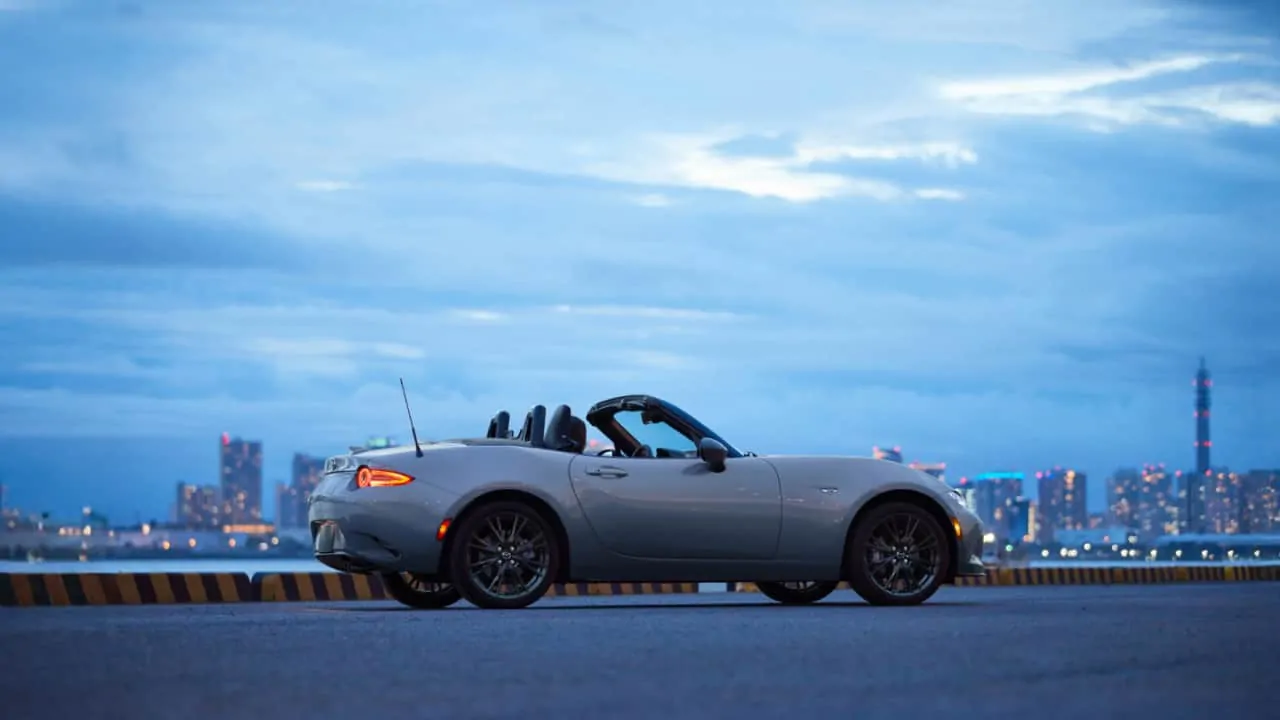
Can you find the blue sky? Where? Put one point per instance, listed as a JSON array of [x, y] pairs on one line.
[[998, 234]]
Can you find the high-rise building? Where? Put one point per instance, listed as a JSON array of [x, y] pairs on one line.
[[891, 454], [994, 495], [1124, 488], [1223, 495], [1203, 385], [198, 506], [1063, 502], [1260, 502], [1019, 518], [240, 464], [1143, 501], [1158, 511]]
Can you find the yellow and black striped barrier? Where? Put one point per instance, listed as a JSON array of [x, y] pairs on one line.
[[1123, 575], [317, 586], [1014, 577], [326, 586], [37, 589], [605, 589]]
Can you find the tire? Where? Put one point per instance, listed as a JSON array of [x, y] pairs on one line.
[[874, 539], [790, 594], [535, 554], [419, 592]]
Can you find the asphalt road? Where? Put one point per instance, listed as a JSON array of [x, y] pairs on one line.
[[1169, 652]]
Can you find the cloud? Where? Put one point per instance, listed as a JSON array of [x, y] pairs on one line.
[[1071, 94], [817, 225], [65, 233], [693, 161]]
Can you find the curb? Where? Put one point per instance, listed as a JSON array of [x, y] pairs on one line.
[[66, 589], [1016, 577]]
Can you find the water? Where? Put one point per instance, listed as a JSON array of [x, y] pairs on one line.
[[160, 566]]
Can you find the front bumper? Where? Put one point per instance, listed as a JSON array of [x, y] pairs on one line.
[[969, 559]]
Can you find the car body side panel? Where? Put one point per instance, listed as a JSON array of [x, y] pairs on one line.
[[677, 509], [447, 479], [822, 495]]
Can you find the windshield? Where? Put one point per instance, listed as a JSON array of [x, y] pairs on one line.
[[664, 440]]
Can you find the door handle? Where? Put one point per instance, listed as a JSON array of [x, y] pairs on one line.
[[607, 471]]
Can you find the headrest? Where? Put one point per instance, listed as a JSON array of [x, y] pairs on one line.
[[578, 433], [559, 429]]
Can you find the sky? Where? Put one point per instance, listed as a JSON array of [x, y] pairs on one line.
[[996, 233]]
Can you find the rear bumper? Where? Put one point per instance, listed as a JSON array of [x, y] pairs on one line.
[[362, 532]]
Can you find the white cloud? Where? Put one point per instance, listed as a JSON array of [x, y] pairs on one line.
[[949, 153], [1069, 94], [691, 161], [1071, 82]]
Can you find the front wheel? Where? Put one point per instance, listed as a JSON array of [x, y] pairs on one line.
[[899, 555], [504, 556], [420, 592], [796, 593]]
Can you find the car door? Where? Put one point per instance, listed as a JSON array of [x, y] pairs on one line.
[[676, 508]]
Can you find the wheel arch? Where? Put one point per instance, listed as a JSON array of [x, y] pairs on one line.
[[911, 497], [542, 507]]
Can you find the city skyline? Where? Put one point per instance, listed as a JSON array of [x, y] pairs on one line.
[[256, 498]]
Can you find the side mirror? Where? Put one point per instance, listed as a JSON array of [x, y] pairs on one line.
[[713, 454]]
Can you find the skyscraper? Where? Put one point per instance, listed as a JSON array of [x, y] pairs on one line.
[[1202, 384], [1195, 486], [1063, 502], [240, 465]]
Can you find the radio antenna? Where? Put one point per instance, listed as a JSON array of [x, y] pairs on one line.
[[417, 448]]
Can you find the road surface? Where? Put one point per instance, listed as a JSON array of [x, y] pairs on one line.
[[1080, 652]]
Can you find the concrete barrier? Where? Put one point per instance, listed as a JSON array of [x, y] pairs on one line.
[[1012, 577], [58, 589], [66, 589], [324, 587]]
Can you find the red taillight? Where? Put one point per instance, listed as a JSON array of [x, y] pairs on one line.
[[375, 477]]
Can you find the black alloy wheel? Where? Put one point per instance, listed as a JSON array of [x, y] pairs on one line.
[[419, 591], [504, 556], [899, 555], [796, 593]]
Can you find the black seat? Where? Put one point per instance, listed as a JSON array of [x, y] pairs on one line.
[[565, 432]]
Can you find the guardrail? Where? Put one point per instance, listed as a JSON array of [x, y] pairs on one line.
[[68, 589]]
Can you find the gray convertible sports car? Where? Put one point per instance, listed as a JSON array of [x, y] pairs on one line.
[[497, 520]]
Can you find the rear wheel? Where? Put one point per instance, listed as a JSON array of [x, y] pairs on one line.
[[796, 593], [899, 555], [419, 591], [504, 556]]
